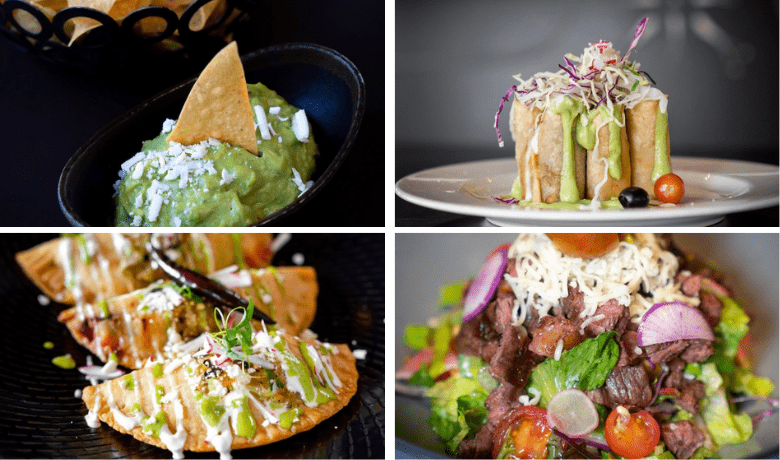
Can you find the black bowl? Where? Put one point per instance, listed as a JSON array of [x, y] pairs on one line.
[[320, 80]]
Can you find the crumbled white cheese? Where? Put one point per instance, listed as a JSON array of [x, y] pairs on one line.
[[274, 110], [226, 177], [262, 122], [300, 126], [360, 354], [298, 259], [298, 181], [154, 207], [168, 125], [135, 159], [137, 221], [138, 170], [43, 300]]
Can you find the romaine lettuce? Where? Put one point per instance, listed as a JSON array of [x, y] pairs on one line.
[[458, 404], [733, 326], [584, 367], [724, 426]]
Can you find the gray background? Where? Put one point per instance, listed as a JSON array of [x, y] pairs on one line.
[[717, 60]]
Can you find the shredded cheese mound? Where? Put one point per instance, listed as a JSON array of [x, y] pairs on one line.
[[637, 275]]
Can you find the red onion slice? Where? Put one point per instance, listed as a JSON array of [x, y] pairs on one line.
[[672, 321], [484, 286], [572, 413]]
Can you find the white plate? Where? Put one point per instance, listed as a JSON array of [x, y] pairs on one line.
[[713, 188]]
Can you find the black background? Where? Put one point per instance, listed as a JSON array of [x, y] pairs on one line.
[[48, 111]]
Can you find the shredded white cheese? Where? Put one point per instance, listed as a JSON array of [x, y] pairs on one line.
[[544, 275], [558, 350]]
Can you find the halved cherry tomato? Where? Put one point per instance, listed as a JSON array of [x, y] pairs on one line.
[[584, 245], [669, 188], [632, 435], [526, 427]]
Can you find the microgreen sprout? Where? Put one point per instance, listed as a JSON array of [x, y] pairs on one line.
[[232, 335]]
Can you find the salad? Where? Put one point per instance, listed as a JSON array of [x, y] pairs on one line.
[[588, 346]]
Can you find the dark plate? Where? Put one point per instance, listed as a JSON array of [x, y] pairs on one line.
[[320, 80], [40, 417]]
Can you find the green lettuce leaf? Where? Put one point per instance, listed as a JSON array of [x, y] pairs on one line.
[[452, 293], [422, 377], [724, 426], [458, 404], [584, 367], [751, 384], [733, 325], [417, 336]]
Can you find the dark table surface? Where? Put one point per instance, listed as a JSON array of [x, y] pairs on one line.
[[414, 158], [48, 111]]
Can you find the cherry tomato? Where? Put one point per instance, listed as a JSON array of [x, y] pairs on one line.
[[584, 245], [527, 429], [669, 188], [632, 436]]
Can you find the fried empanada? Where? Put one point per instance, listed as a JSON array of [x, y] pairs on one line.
[[155, 322], [87, 268], [207, 401]]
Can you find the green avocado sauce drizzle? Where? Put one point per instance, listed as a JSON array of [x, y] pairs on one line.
[[612, 203], [246, 426], [324, 394], [568, 109], [661, 164], [153, 425], [210, 409], [286, 419], [64, 362], [586, 135]]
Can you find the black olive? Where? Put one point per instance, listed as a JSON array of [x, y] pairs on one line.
[[634, 197]]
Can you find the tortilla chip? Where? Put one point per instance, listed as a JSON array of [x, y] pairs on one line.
[[53, 4], [82, 25], [96, 398], [122, 8], [218, 105], [28, 22]]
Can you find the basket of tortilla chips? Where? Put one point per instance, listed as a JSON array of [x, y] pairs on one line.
[[89, 33]]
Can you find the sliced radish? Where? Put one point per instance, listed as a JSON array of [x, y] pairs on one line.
[[672, 321], [572, 413], [484, 286]]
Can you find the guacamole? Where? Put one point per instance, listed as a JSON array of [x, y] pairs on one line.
[[215, 184]]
